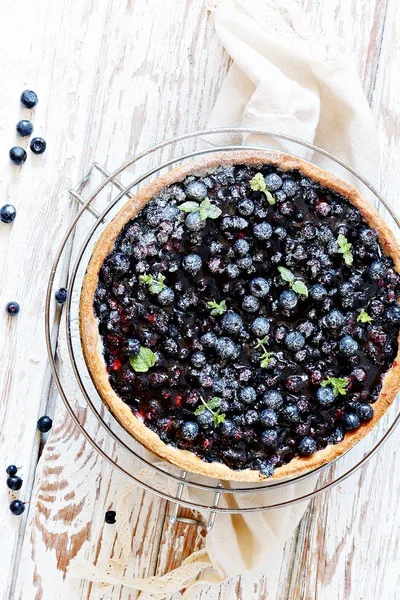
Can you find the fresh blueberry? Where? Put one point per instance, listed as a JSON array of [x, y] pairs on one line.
[[269, 437], [273, 182], [44, 424], [228, 428], [17, 155], [133, 346], [268, 417], [198, 359], [233, 223], [61, 295], [292, 413], [241, 247], [109, 517], [192, 263], [260, 327], [17, 507], [368, 236], [393, 315], [248, 395], [196, 191], [166, 297], [262, 231], [351, 421], [209, 339], [14, 482], [348, 346], [334, 319], [11, 470], [325, 396], [259, 287], [377, 270], [365, 412], [265, 467], [307, 446], [280, 233], [246, 207], [12, 308], [189, 430], [226, 349], [205, 419], [288, 299], [37, 145], [29, 99], [24, 127], [231, 322], [273, 399], [294, 341], [290, 188], [193, 221], [251, 417], [7, 213], [232, 271], [250, 304], [120, 262]]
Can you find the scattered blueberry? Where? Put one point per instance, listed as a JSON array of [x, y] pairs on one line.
[[44, 424], [269, 437], [14, 482], [226, 349], [29, 99], [7, 213], [17, 155], [37, 145], [61, 295], [317, 292], [12, 308], [24, 127], [335, 319], [273, 182], [246, 207], [109, 517], [17, 507], [241, 247], [11, 470], [193, 221]]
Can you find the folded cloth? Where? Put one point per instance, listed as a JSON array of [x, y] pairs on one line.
[[282, 79]]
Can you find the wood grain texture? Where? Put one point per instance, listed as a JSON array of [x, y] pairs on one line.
[[114, 77]]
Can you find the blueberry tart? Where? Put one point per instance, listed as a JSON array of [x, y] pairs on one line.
[[239, 316]]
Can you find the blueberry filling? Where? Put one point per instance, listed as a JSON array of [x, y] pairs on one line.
[[251, 334]]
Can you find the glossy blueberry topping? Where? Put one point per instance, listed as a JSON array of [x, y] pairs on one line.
[[254, 327]]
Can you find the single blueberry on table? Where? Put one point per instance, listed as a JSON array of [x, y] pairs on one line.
[[38, 145], [17, 507], [325, 396], [29, 99], [24, 127], [14, 482], [61, 295], [12, 308], [7, 213], [189, 431], [44, 424], [109, 517], [307, 446], [288, 299], [17, 155], [351, 421], [11, 470]]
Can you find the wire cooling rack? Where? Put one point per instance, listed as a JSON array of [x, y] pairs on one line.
[[75, 386]]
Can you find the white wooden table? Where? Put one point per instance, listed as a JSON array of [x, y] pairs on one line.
[[113, 77]]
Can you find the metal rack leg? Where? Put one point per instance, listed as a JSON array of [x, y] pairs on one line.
[[173, 517]]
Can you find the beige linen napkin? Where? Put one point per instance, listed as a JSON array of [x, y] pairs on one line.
[[285, 80]]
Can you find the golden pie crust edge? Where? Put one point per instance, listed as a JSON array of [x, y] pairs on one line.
[[92, 345]]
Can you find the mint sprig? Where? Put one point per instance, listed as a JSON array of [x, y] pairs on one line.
[[143, 361], [364, 317], [156, 284], [339, 385], [217, 308], [298, 286], [266, 356], [214, 407], [206, 208], [257, 184], [345, 249]]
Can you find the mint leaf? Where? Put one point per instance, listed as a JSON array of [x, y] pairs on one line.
[[214, 402], [218, 418], [204, 208], [286, 274], [299, 287], [200, 409], [143, 361], [257, 184], [364, 317], [189, 207], [156, 284], [345, 249], [261, 342], [339, 385], [217, 309], [266, 359], [214, 212], [213, 406]]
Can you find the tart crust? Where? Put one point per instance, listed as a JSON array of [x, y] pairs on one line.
[[92, 345]]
